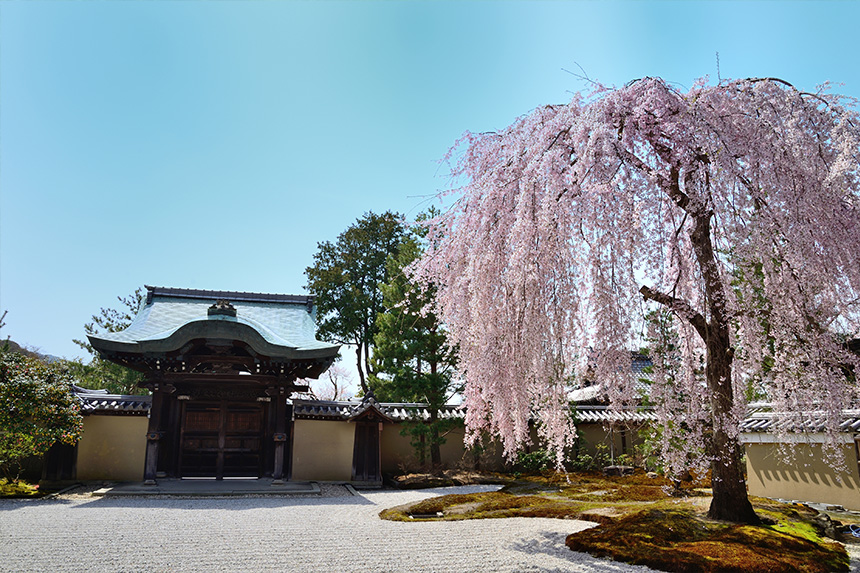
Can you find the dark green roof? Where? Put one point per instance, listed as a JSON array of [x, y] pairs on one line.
[[274, 325]]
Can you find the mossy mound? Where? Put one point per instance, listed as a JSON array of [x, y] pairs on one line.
[[444, 478], [641, 523], [683, 541], [482, 505], [562, 496]]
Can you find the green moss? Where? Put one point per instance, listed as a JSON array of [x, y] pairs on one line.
[[639, 524], [508, 501], [683, 541]]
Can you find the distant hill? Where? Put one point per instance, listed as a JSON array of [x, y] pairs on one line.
[[15, 347]]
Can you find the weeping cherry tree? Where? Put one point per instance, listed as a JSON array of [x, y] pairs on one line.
[[733, 209]]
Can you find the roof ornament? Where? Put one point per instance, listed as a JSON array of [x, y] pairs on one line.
[[222, 308]]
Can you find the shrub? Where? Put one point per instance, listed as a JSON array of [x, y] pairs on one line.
[[18, 489], [534, 462], [37, 410]]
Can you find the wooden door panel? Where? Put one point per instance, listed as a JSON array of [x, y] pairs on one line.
[[365, 460], [222, 440]]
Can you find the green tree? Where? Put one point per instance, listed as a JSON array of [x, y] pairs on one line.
[[346, 278], [104, 374], [412, 355], [37, 409]]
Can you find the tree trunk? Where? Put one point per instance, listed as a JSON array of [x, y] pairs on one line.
[[360, 371], [435, 401], [730, 501], [435, 449]]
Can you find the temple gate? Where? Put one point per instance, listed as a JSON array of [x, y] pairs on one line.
[[221, 367]]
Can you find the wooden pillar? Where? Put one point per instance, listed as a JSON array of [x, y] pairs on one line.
[[155, 431], [280, 435], [288, 472], [153, 435]]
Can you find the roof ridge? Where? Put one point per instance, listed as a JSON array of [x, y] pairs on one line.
[[241, 296]]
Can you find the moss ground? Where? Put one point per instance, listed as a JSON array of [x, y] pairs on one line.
[[641, 523]]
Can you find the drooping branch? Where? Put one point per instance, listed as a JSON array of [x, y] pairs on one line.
[[680, 306], [669, 184]]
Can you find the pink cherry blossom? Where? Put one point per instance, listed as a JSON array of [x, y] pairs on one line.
[[733, 208]]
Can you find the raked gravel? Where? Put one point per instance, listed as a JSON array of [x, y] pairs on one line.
[[335, 531]]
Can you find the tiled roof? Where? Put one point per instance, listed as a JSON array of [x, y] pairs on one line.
[[100, 402], [322, 410], [283, 322], [605, 414], [399, 411], [232, 296], [762, 420], [595, 393], [404, 412], [368, 405]]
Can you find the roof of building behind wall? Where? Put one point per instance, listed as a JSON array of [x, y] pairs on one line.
[[594, 392], [762, 419], [608, 415]]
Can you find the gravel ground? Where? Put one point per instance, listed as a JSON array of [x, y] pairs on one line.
[[335, 531], [332, 532]]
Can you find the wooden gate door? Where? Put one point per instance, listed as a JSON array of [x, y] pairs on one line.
[[365, 454], [221, 439]]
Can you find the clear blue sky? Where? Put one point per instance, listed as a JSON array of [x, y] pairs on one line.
[[213, 144]]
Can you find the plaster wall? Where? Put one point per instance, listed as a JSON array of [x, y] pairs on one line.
[[806, 478], [596, 433], [322, 450], [398, 453], [112, 448], [395, 450]]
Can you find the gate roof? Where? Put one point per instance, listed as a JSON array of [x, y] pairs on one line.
[[274, 325]]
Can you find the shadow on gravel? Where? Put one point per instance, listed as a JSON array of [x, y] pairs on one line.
[[236, 503], [552, 544], [447, 490], [13, 504]]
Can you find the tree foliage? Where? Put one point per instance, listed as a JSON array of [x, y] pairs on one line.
[[578, 219], [104, 374], [37, 409], [412, 356], [333, 384], [346, 276]]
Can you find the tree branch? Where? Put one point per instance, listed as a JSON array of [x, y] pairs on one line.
[[680, 306], [670, 185]]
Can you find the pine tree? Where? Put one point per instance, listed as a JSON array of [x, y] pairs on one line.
[[412, 355]]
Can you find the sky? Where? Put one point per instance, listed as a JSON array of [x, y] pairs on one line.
[[214, 144]]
